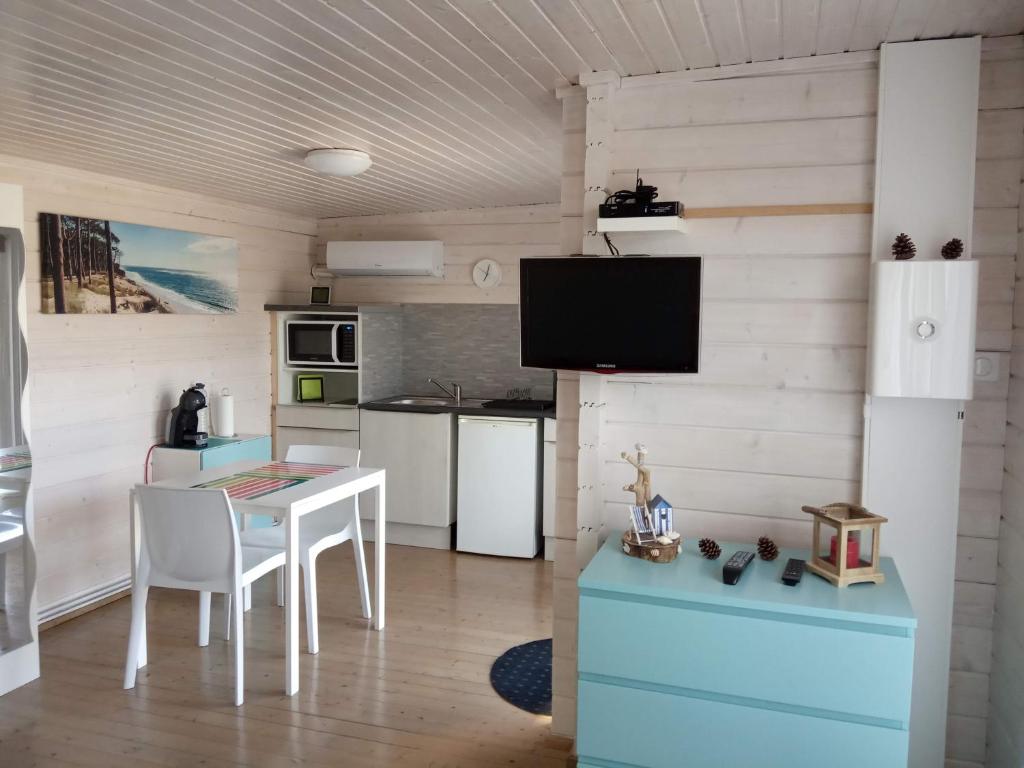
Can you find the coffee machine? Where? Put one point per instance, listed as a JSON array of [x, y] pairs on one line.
[[188, 419]]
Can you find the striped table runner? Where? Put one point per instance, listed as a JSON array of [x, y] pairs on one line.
[[12, 461], [268, 479]]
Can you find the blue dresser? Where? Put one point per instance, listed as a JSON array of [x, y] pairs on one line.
[[678, 669]]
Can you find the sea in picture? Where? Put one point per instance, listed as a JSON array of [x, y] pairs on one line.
[[205, 292], [94, 266]]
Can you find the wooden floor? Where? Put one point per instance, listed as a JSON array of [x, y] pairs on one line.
[[416, 694]]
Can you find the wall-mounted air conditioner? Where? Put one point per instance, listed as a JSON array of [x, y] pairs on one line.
[[424, 258]]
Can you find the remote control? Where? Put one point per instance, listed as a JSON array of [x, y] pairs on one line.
[[794, 570], [733, 569]]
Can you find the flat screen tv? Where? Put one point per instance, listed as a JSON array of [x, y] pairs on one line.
[[625, 314]]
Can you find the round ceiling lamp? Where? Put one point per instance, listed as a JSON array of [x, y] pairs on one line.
[[338, 162]]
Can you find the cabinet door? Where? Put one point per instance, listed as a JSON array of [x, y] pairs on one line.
[[288, 436], [416, 450], [174, 462]]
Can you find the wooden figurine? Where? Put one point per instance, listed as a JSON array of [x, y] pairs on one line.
[[644, 543], [849, 521], [642, 487], [651, 536]]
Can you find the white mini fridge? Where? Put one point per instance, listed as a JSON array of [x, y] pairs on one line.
[[498, 479]]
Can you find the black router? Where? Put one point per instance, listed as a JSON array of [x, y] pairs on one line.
[[628, 203]]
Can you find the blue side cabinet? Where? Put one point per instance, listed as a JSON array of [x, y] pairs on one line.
[[678, 669], [174, 462]]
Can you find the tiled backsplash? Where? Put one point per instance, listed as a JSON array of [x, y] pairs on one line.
[[476, 345], [381, 355]]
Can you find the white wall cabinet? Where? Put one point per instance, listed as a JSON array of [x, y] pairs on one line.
[[923, 329], [417, 450]]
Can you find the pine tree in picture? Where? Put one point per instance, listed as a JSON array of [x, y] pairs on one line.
[[903, 247], [954, 249]]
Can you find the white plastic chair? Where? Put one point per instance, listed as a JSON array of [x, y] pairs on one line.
[[318, 531], [11, 532], [12, 502], [190, 541], [12, 527]]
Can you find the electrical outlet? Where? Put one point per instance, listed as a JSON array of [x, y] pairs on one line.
[[986, 366]]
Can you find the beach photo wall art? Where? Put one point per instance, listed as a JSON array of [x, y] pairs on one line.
[[94, 266]]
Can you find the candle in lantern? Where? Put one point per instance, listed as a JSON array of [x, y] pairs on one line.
[[852, 551]]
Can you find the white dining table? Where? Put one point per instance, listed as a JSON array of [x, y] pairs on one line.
[[15, 479], [291, 504]]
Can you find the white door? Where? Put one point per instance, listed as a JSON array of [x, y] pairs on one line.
[[498, 500]]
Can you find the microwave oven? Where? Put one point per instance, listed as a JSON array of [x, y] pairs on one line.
[[321, 343]]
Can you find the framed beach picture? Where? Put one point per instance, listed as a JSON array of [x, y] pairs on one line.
[[94, 266]]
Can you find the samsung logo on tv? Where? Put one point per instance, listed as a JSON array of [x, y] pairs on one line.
[[605, 365]]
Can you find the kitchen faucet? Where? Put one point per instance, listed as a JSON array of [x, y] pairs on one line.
[[455, 393]]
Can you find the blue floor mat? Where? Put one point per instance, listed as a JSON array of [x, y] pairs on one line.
[[522, 676]]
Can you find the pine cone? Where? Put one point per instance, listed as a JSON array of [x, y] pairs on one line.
[[710, 549], [767, 548], [954, 249], [903, 247]]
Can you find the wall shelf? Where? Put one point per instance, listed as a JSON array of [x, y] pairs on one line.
[[679, 224], [803, 209], [642, 224]]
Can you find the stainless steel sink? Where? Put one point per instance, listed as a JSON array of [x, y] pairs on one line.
[[435, 401], [422, 401]]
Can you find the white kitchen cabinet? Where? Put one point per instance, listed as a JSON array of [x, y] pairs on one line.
[[417, 451], [318, 417], [289, 436], [548, 498], [314, 425]]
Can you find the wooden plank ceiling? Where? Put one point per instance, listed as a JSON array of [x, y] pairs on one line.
[[454, 99]]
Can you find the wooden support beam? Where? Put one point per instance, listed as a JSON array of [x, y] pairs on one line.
[[809, 209]]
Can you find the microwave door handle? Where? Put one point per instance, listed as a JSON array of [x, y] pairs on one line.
[[334, 343]]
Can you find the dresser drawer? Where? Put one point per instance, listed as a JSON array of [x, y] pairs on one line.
[[811, 664], [633, 727], [317, 417]]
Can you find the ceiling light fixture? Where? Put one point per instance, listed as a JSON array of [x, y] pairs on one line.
[[338, 162]]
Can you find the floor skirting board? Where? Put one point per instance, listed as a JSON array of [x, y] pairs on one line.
[[57, 613]]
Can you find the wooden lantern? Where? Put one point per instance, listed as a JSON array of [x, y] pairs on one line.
[[845, 519]]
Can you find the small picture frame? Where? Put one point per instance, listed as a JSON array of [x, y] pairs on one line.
[[309, 388], [320, 294]]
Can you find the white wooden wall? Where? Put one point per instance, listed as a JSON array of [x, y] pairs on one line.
[[1006, 714], [996, 201], [503, 234], [101, 386], [774, 418]]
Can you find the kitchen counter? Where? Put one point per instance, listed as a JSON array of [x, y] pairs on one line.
[[469, 407], [351, 308]]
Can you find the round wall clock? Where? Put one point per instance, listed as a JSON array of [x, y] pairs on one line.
[[487, 273]]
